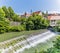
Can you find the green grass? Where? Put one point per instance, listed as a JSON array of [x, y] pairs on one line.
[[7, 36]]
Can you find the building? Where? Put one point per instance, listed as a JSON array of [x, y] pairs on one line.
[[38, 12], [28, 15], [53, 18]]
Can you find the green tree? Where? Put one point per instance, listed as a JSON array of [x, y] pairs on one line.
[[11, 12], [6, 11], [29, 25], [15, 17], [23, 21], [3, 26], [2, 14]]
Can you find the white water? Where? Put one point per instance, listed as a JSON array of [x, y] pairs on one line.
[[32, 41]]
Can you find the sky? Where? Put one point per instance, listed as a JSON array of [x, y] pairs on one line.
[[21, 6]]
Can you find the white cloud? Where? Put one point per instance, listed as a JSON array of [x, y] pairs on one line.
[[53, 12]]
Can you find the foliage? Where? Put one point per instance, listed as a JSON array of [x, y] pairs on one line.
[[17, 28], [57, 27], [11, 12], [6, 11], [15, 17], [2, 13], [36, 22], [23, 21], [33, 22], [57, 43], [29, 25], [55, 48], [3, 27]]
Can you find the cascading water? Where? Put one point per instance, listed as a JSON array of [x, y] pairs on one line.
[[29, 42]]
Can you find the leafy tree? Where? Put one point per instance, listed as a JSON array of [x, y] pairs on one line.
[[23, 21], [11, 12], [45, 14], [29, 25], [6, 11], [45, 23], [15, 17], [17, 28], [3, 26], [2, 14]]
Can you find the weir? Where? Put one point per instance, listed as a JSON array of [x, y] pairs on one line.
[[29, 42]]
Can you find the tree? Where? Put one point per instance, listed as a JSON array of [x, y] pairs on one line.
[[45, 22], [23, 21], [29, 25], [11, 12], [6, 11], [45, 14], [2, 14], [3, 26], [15, 17]]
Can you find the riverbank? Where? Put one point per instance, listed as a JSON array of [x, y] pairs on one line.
[[11, 35]]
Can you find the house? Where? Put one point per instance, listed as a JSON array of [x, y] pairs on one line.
[[53, 18], [28, 15], [38, 13]]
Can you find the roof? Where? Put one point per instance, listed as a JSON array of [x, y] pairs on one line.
[[54, 17], [37, 12], [26, 15], [54, 14]]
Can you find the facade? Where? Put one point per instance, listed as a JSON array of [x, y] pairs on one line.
[[53, 19]]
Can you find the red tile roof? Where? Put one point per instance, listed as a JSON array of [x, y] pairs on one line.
[[37, 12], [54, 17]]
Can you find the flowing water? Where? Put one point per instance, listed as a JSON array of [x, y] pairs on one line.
[[29, 42]]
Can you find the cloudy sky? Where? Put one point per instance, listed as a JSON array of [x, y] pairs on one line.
[[21, 6]]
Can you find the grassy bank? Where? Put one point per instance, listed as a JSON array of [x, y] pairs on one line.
[[7, 36]]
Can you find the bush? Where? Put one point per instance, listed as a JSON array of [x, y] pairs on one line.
[[16, 28], [29, 25], [3, 26], [56, 28]]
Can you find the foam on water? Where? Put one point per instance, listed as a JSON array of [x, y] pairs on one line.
[[33, 41]]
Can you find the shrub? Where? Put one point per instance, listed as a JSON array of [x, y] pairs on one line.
[[17, 28]]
